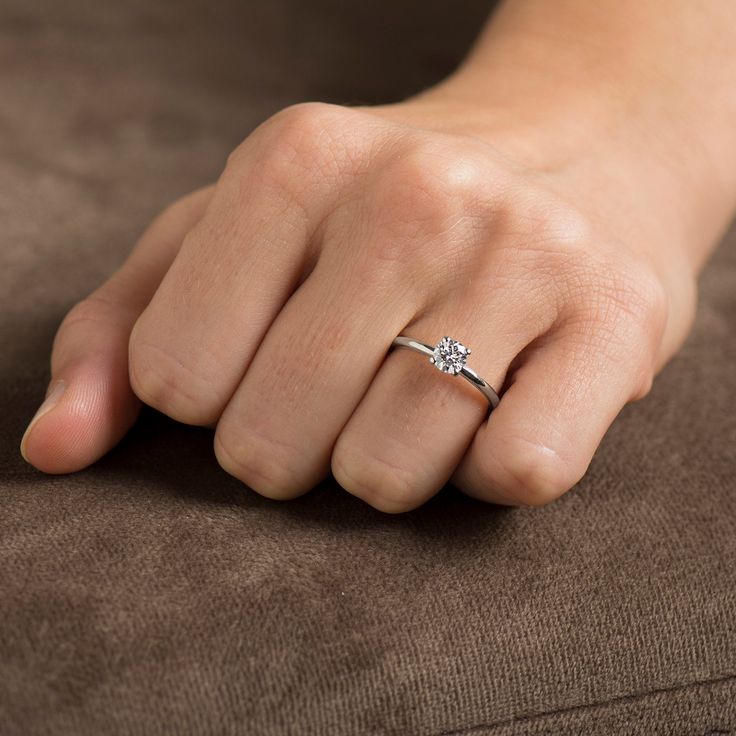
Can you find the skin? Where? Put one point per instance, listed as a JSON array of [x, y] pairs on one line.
[[550, 205]]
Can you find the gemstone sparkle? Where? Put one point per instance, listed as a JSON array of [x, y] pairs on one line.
[[450, 355]]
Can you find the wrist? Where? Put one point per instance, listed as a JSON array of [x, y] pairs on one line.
[[674, 188], [608, 105]]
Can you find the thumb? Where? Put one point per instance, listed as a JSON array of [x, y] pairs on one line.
[[89, 403]]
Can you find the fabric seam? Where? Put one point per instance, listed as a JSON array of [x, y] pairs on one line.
[[633, 697]]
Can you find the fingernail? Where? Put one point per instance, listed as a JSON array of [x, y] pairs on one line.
[[53, 394]]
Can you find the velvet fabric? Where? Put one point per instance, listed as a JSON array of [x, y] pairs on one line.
[[154, 594]]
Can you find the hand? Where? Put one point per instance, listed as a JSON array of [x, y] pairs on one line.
[[265, 307]]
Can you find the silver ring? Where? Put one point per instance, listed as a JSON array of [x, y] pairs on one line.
[[450, 356]]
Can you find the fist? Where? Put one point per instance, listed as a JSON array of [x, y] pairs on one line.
[[265, 307]]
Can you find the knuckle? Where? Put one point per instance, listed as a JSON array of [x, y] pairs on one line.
[[648, 300], [306, 118], [528, 473], [636, 297], [426, 209], [625, 293], [263, 465], [384, 486], [299, 152], [162, 381], [303, 139], [560, 223], [544, 240], [624, 310], [429, 190], [538, 220], [300, 134], [182, 212]]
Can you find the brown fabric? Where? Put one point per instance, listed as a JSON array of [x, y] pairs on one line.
[[154, 594]]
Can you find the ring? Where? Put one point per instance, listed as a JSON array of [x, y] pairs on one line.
[[450, 356]]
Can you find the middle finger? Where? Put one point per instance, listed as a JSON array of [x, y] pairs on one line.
[[312, 367]]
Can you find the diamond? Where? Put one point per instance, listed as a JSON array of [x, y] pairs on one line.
[[450, 355]]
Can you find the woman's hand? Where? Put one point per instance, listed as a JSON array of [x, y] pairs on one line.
[[265, 307]]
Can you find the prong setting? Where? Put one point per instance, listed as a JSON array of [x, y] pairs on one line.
[[450, 356]]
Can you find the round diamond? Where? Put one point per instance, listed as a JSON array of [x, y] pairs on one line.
[[450, 355]]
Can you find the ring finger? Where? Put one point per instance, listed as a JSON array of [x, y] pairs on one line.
[[413, 426]]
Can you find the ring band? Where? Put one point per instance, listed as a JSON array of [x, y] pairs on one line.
[[450, 357]]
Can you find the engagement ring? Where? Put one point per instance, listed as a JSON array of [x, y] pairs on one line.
[[450, 356]]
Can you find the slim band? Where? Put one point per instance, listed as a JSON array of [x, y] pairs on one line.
[[450, 356]]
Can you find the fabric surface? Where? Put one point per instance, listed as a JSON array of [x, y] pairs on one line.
[[155, 594]]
